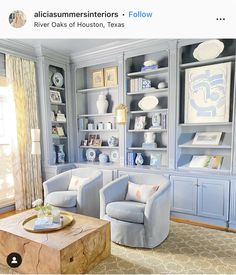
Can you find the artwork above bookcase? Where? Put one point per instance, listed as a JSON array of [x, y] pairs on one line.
[[215, 91], [147, 79], [96, 98]]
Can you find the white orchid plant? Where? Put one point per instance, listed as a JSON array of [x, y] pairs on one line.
[[39, 206]]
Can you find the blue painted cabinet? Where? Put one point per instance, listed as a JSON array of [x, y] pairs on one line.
[[232, 218], [213, 198], [184, 195]]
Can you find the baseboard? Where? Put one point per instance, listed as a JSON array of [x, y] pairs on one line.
[[201, 224]]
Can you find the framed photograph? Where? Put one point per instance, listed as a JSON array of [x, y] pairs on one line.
[[61, 117], [207, 138], [54, 131], [98, 78], [207, 93], [111, 76], [91, 139], [155, 160], [60, 131], [55, 97], [140, 122], [97, 142]]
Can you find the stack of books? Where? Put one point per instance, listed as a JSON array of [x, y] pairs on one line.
[[131, 158], [148, 68], [138, 84]]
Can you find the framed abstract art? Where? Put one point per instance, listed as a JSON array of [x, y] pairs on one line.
[[207, 93]]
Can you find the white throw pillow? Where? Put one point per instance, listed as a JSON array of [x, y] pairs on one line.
[[140, 192], [75, 182]]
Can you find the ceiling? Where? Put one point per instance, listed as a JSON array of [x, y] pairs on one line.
[[72, 46]]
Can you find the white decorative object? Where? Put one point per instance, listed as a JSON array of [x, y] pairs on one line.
[[100, 126], [150, 63], [103, 158], [114, 156], [149, 137], [207, 93], [162, 85], [207, 138], [209, 49], [155, 160], [156, 121], [56, 215], [58, 79], [148, 103], [90, 154], [113, 141], [139, 159], [90, 126], [108, 126], [102, 104], [164, 138]]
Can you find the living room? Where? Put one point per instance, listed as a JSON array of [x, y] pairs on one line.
[[117, 156]]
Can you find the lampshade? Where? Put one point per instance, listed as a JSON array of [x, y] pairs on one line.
[[121, 114], [35, 135], [36, 150]]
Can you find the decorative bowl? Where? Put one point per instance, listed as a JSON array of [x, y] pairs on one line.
[[148, 103]]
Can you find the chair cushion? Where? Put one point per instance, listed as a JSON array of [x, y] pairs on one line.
[[128, 211], [140, 192], [62, 198], [76, 181]]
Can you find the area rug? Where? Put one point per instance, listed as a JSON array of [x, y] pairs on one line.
[[188, 250]]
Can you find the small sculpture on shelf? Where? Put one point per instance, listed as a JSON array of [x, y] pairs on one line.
[[113, 141], [149, 140], [60, 154], [139, 159], [149, 65], [102, 104]]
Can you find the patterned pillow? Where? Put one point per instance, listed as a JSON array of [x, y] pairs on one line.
[[75, 182], [140, 192]]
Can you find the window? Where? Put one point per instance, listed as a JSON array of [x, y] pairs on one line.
[[7, 126]]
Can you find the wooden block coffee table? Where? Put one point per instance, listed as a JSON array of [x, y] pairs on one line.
[[74, 249]]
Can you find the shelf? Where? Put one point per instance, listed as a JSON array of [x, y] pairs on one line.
[[147, 130], [59, 137], [96, 89], [207, 62], [162, 94], [208, 170], [148, 91], [151, 111], [150, 72], [59, 104], [148, 149], [99, 147], [190, 145], [56, 122], [98, 115], [205, 124], [56, 88], [96, 130]]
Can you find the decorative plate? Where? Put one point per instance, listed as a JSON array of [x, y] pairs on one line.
[[58, 79], [50, 78], [209, 49], [90, 154], [148, 103], [114, 156]]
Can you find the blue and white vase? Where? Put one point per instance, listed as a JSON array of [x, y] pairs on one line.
[[54, 154], [60, 154], [139, 159]]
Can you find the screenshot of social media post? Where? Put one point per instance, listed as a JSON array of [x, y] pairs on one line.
[[117, 137]]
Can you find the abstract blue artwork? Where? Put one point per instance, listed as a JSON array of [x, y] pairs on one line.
[[207, 93]]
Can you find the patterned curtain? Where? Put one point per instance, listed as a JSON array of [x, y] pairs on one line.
[[21, 75]]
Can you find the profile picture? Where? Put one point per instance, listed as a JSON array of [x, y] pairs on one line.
[[17, 19]]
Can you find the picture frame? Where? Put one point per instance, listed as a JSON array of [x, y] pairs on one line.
[[140, 122], [111, 76], [98, 78], [207, 93], [155, 160], [55, 97], [84, 142], [60, 117], [97, 142], [54, 131], [60, 131], [207, 138], [91, 139]]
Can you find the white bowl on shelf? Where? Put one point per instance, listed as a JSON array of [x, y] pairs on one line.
[[148, 103], [209, 49]]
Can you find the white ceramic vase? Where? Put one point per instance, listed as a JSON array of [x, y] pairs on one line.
[[102, 104], [164, 138], [139, 159]]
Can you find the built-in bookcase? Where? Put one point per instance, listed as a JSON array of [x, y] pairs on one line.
[[87, 113], [56, 108], [186, 131], [135, 137]]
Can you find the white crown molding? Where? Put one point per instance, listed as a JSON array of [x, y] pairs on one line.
[[51, 54]]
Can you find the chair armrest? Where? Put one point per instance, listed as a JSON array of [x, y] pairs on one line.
[[114, 191], [58, 183], [88, 196]]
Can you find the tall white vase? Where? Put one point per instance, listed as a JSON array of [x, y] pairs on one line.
[[102, 104]]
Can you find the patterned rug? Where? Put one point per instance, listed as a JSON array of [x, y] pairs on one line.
[[188, 249]]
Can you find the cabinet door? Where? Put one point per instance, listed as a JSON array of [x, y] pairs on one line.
[[213, 198], [232, 219], [184, 195]]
